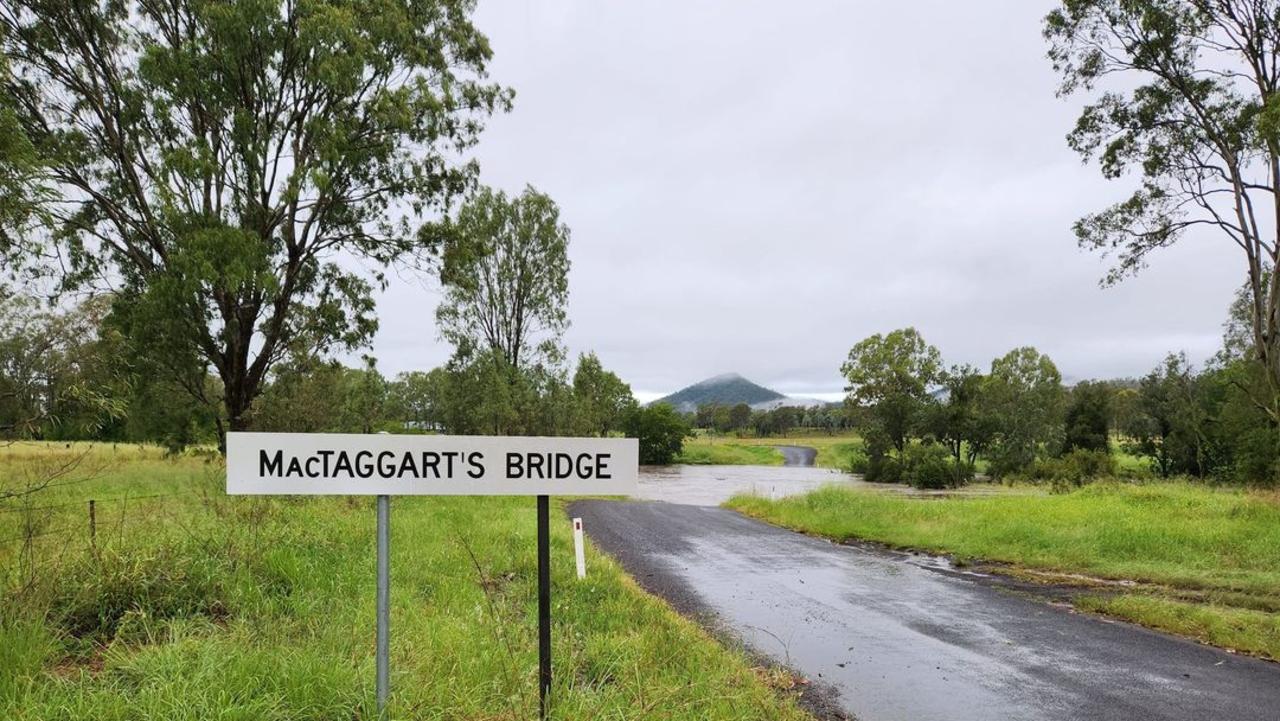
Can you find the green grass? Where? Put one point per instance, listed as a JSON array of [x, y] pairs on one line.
[[709, 452], [198, 606], [833, 451], [1214, 551]]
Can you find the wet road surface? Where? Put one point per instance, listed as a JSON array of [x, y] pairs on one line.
[[899, 639], [797, 455]]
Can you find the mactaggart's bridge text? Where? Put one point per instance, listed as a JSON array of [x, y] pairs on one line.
[[433, 465]]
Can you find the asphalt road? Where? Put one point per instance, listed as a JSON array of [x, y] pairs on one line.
[[797, 455], [896, 637]]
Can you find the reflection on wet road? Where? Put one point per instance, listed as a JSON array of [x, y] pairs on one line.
[[895, 637]]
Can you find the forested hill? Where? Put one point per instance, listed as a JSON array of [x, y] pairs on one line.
[[728, 389]]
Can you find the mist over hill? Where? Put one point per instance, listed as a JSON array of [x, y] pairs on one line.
[[730, 389]]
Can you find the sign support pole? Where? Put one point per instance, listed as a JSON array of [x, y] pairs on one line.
[[384, 603], [544, 605]]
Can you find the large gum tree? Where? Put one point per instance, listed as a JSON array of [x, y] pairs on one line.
[[1183, 94], [224, 165]]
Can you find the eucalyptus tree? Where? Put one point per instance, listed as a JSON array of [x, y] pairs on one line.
[[890, 377], [222, 164], [603, 398], [1023, 395], [506, 277], [1184, 95]]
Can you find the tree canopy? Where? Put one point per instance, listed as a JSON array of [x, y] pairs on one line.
[[1194, 111], [214, 161], [506, 277], [890, 376]]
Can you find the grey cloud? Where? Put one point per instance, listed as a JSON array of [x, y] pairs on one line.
[[755, 186]]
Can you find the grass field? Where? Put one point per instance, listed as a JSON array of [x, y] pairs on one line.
[[197, 606], [833, 451], [1206, 561]]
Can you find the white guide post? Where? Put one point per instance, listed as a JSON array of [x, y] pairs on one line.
[[577, 548]]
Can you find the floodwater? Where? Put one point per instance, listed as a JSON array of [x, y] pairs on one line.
[[713, 485]]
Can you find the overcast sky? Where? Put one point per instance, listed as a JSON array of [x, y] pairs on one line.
[[756, 186]]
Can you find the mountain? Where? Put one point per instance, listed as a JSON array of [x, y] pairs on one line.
[[728, 390]]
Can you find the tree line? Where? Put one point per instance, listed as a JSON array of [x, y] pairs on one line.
[[930, 424], [741, 418]]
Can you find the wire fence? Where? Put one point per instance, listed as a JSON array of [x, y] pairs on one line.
[[91, 506]]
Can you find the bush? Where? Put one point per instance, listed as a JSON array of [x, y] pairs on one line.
[[1074, 469], [883, 468], [926, 465], [660, 430], [858, 462], [931, 466]]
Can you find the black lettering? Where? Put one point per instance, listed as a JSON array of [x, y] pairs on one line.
[[602, 465], [535, 460], [564, 465], [583, 466], [324, 457], [270, 465], [515, 465], [311, 467], [431, 460], [387, 464], [475, 461], [364, 468], [407, 466], [295, 468], [342, 464]]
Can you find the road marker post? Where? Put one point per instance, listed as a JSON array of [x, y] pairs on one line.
[[385, 465], [578, 552]]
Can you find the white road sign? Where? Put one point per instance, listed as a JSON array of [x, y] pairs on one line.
[[405, 465]]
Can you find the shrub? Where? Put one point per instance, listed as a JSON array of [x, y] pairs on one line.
[[661, 432], [858, 462], [931, 466], [1074, 469], [883, 468]]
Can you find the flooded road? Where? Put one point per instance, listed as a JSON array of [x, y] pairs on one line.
[[713, 485], [901, 638], [797, 455]]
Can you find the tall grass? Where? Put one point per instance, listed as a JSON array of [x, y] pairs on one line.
[[193, 605], [833, 451]]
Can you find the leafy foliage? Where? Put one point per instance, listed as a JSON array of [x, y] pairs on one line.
[[660, 430], [1024, 397], [890, 376], [1197, 115], [216, 160], [1088, 417], [603, 399], [506, 276]]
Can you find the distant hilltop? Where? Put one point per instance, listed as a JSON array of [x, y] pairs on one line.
[[730, 389]]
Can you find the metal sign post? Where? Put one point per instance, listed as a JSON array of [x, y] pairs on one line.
[[384, 605], [544, 604], [389, 465]]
